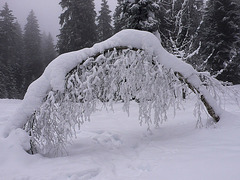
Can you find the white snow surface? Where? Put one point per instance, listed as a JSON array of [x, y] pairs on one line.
[[114, 147], [53, 77]]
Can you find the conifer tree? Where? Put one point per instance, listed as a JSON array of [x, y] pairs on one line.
[[137, 14], [18, 65], [32, 48], [6, 40], [117, 16], [11, 55], [78, 28], [220, 35], [104, 27], [3, 80], [7, 33], [48, 49]]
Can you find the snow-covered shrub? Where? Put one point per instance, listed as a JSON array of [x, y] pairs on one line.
[[126, 74], [119, 74], [73, 84]]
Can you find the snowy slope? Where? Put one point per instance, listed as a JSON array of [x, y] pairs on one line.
[[114, 147]]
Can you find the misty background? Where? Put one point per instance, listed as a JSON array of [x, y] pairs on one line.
[[46, 11], [204, 34]]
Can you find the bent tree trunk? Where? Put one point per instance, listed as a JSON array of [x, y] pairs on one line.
[[209, 105], [193, 82], [130, 65]]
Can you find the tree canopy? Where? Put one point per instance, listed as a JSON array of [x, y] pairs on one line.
[[21, 54], [78, 28], [137, 14], [32, 49], [104, 27], [220, 35], [11, 55]]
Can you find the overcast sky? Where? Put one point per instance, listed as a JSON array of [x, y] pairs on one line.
[[47, 12]]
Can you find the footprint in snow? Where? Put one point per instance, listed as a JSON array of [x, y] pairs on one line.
[[84, 175], [108, 139]]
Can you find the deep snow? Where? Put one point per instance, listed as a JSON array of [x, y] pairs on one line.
[[114, 147]]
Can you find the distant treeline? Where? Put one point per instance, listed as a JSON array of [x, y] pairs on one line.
[[205, 35], [23, 54]]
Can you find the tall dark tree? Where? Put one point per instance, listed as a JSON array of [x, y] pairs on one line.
[[138, 14], [78, 28], [3, 80], [7, 29], [104, 27], [11, 55], [117, 17], [17, 67], [220, 35], [7, 34], [32, 48], [48, 49]]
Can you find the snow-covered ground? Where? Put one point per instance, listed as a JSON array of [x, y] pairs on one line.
[[113, 146]]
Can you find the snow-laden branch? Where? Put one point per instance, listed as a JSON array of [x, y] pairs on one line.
[[130, 65], [119, 74]]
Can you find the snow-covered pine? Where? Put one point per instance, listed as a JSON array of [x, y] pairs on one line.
[[131, 65]]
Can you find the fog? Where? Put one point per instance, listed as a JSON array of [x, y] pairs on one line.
[[47, 12]]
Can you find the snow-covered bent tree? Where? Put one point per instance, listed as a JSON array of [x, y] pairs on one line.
[[132, 65]]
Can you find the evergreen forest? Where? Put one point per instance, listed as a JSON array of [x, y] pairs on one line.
[[203, 34]]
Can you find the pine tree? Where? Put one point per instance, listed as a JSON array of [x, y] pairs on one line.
[[32, 48], [6, 42], [137, 14], [7, 33], [104, 27], [220, 34], [78, 28], [3, 80], [11, 55], [48, 49], [117, 16], [18, 65]]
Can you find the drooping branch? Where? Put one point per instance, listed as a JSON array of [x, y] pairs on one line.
[[130, 65], [196, 90], [119, 73], [204, 100]]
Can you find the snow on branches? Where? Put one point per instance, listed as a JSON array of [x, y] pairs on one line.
[[132, 65], [118, 75]]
